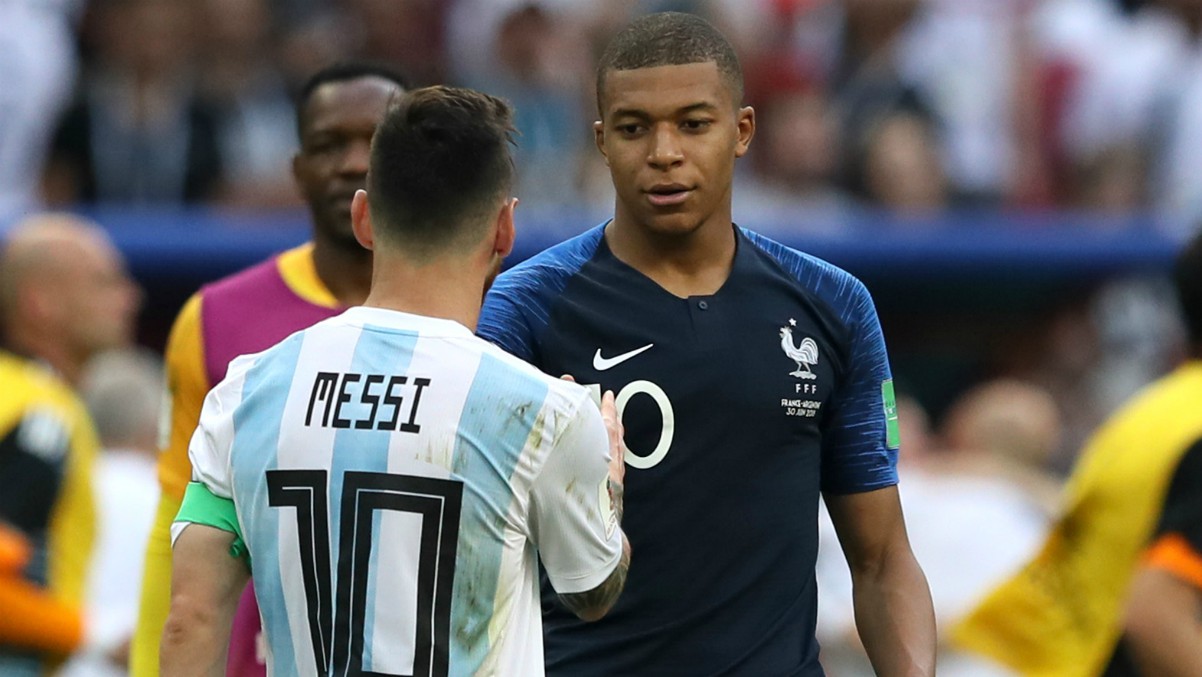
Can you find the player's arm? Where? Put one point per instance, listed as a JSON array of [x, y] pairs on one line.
[[209, 569], [892, 602], [1164, 610], [186, 386], [32, 619], [578, 529], [893, 609], [206, 583]]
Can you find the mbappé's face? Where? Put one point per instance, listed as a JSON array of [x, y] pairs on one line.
[[670, 135], [337, 126]]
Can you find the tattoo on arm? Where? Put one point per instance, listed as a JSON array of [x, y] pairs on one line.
[[591, 605]]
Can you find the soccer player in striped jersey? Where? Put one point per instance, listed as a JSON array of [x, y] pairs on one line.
[[387, 478], [337, 113]]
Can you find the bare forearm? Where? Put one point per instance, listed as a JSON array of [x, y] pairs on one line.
[[1163, 625], [194, 645], [895, 618]]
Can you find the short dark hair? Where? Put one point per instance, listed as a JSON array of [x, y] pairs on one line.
[[1187, 277], [670, 39], [343, 71], [440, 161]]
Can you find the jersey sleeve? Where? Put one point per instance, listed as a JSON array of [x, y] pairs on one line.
[[187, 384], [573, 519], [208, 499], [503, 321], [861, 437], [1177, 547]]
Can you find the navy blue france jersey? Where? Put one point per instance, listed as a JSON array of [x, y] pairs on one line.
[[739, 408]]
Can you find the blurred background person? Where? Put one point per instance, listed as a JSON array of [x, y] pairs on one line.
[[64, 298], [972, 505], [1061, 614], [37, 72], [138, 133], [1163, 621], [123, 393], [239, 81]]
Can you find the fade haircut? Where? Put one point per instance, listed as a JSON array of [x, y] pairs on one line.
[[440, 164], [345, 71], [1187, 277], [670, 39]]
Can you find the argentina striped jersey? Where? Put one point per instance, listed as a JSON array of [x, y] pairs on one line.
[[394, 480]]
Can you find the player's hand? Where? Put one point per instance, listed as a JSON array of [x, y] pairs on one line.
[[617, 448]]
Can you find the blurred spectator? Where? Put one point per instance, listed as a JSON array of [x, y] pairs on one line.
[[405, 34], [138, 133], [123, 392], [795, 157], [1061, 613], [897, 166], [996, 438], [538, 60], [239, 81], [64, 297], [1006, 430], [37, 70], [1163, 618]]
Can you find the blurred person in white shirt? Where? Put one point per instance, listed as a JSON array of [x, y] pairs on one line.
[[37, 72], [123, 393]]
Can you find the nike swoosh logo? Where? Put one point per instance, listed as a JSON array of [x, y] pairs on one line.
[[602, 363]]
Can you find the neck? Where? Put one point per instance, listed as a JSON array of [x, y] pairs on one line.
[[346, 272], [42, 345], [696, 263], [443, 288]]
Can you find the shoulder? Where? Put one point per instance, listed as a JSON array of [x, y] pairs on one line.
[[31, 385], [815, 274], [842, 293], [565, 396], [242, 282], [46, 410], [548, 271]]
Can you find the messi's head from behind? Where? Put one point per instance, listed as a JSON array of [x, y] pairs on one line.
[[440, 174]]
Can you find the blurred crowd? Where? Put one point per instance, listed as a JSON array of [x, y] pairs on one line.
[[907, 106], [911, 106]]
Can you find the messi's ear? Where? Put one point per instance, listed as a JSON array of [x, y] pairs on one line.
[[506, 232], [361, 221]]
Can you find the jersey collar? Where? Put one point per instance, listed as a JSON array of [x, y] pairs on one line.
[[300, 274]]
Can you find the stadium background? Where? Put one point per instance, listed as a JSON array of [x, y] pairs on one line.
[[1011, 178]]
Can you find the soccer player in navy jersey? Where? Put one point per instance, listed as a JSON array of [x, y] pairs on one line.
[[751, 378]]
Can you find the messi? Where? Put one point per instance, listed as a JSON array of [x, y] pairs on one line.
[[365, 401]]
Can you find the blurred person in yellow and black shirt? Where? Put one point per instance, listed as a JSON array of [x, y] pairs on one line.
[[1162, 633], [1062, 613], [337, 114], [64, 297]]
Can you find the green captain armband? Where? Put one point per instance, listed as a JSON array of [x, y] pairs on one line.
[[202, 506]]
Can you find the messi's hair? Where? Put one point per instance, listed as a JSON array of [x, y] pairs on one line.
[[1187, 277], [440, 162], [670, 39], [345, 71]]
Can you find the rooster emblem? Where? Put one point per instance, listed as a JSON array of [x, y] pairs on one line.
[[804, 354]]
